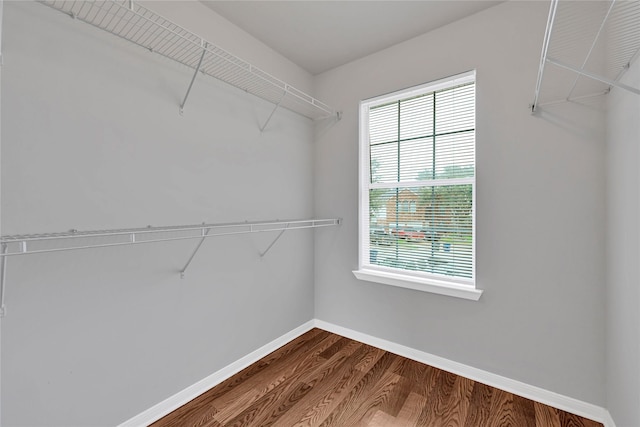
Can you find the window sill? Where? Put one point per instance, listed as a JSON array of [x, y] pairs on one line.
[[419, 284]]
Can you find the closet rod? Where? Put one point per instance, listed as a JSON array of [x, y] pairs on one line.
[[73, 240]]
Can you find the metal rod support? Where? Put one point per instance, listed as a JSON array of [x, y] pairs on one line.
[[575, 98], [1, 25], [545, 49], [273, 243], [593, 45], [204, 236], [3, 279], [593, 76], [193, 79], [262, 128], [628, 65]]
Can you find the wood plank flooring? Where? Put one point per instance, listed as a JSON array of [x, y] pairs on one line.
[[322, 379]]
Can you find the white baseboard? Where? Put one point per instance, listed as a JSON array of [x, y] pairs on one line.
[[177, 400], [538, 394], [608, 421]]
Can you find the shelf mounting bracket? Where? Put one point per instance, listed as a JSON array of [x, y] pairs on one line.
[[263, 127], [262, 254], [593, 76], [195, 73], [545, 49], [593, 45], [3, 265], [3, 279], [1, 20], [205, 233]]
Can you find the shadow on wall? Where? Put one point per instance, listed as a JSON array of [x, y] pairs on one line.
[[570, 116], [323, 126]]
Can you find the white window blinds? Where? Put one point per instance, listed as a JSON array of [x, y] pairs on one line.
[[420, 190]]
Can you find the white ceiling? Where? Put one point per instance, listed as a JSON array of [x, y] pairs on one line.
[[321, 35]]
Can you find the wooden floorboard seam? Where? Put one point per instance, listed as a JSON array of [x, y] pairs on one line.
[[323, 379]]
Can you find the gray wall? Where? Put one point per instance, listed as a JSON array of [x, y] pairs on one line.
[[623, 253], [92, 139], [540, 215]]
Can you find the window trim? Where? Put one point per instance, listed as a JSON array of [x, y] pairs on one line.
[[418, 283], [456, 287]]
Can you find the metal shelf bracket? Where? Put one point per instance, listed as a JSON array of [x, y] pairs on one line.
[[545, 49], [1, 19], [272, 113], [195, 73], [262, 254], [3, 279], [4, 247], [593, 76], [195, 251]]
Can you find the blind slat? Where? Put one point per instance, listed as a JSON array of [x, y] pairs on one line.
[[423, 228]]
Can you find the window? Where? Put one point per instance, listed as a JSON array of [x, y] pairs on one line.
[[417, 188]]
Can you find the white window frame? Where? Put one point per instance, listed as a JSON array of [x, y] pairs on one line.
[[454, 286]]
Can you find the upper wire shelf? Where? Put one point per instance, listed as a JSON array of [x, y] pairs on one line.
[[151, 31], [587, 48], [73, 239]]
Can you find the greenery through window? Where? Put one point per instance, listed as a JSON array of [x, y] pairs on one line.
[[421, 152]]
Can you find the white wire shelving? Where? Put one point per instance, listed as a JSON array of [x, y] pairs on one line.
[[587, 48], [25, 244], [145, 28]]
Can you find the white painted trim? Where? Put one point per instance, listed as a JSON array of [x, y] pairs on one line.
[[608, 421], [424, 284], [434, 86], [177, 400], [427, 282], [538, 394]]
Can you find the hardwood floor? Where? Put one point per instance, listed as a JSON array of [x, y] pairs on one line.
[[323, 379]]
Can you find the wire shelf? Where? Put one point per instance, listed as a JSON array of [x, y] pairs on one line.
[[587, 48], [145, 28], [71, 240], [24, 244]]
